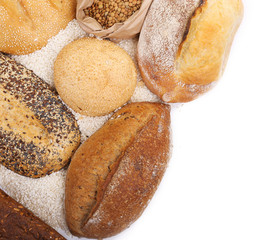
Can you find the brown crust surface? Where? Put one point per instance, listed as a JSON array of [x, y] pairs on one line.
[[38, 134], [17, 222], [184, 61], [114, 174], [26, 26]]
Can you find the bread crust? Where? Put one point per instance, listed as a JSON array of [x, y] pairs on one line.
[[94, 77], [114, 174], [200, 49], [38, 134], [26, 26], [17, 222]]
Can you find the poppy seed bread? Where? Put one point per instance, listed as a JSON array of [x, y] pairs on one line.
[[38, 134]]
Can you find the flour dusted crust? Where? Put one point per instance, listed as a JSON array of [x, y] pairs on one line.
[[38, 134], [114, 174], [27, 25], [184, 45], [94, 77]]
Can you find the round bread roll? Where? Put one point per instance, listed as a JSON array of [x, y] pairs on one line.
[[184, 45], [94, 77], [26, 26]]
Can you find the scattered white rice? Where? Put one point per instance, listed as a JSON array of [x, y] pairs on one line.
[[45, 196]]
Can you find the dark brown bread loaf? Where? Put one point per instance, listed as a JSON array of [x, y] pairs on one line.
[[38, 134], [17, 222], [114, 174]]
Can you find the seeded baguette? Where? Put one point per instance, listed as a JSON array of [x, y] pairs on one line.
[[17, 222], [38, 134], [114, 174]]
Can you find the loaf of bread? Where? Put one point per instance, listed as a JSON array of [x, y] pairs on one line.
[[94, 77], [26, 26], [17, 222], [114, 174], [184, 45], [38, 134]]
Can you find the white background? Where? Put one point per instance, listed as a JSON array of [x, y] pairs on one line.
[[208, 189]]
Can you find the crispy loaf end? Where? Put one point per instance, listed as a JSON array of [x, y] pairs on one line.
[[203, 55], [38, 134], [114, 174], [17, 222]]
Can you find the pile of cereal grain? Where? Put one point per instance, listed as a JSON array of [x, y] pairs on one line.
[[45, 196], [109, 12]]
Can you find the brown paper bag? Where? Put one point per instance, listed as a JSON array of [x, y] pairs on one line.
[[128, 29]]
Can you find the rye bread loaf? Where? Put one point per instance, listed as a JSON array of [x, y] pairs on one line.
[[184, 45], [38, 134], [114, 174], [17, 222]]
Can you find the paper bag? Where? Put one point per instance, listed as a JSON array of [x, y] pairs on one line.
[[128, 29]]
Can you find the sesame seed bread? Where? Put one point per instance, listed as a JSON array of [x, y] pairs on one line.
[[184, 45], [114, 174], [38, 134], [27, 25], [94, 77]]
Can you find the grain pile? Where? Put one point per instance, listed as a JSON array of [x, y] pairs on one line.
[[45, 196], [108, 12]]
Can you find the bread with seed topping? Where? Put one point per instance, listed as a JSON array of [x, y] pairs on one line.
[[114, 174], [38, 134], [26, 26]]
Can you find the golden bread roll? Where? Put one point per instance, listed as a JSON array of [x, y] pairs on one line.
[[184, 45], [114, 174], [94, 77], [26, 26], [17, 222], [38, 134]]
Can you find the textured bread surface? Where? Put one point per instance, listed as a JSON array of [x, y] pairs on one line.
[[183, 55], [17, 222], [26, 26], [38, 134], [114, 174], [94, 77]]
